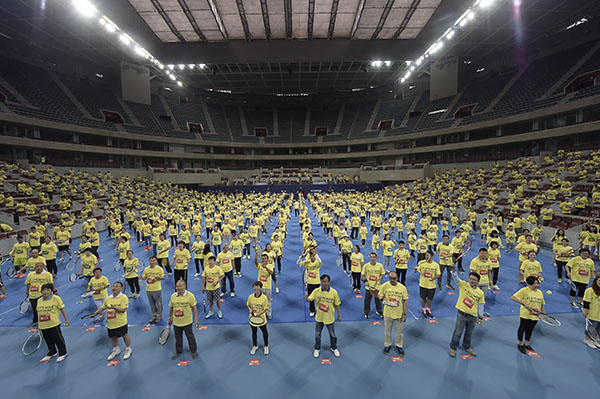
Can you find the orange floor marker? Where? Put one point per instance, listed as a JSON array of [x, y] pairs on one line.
[[183, 363], [325, 361], [113, 363], [376, 323], [397, 359], [254, 362], [466, 356], [534, 354], [432, 321], [147, 328], [203, 328], [90, 329]]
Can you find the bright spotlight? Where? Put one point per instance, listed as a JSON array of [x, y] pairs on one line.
[[139, 51], [172, 77], [182, 66], [191, 66], [161, 66], [124, 38], [202, 66], [388, 63], [485, 3], [377, 63], [179, 84], [170, 66], [84, 7], [450, 34], [471, 15], [402, 80]]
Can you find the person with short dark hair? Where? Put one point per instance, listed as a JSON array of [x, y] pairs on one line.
[[49, 307], [470, 308], [153, 275], [34, 282], [430, 272], [116, 320], [579, 270], [258, 305], [327, 303], [181, 259], [395, 298], [181, 308], [98, 284], [532, 302], [562, 254], [212, 276]]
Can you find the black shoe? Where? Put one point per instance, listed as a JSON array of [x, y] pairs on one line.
[[429, 313], [424, 314], [529, 348], [522, 349], [366, 316], [400, 351], [379, 314], [386, 350]]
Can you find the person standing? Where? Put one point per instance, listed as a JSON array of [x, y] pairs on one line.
[[313, 266], [356, 262], [237, 246], [130, 266], [181, 308], [579, 269], [225, 262], [401, 257], [212, 276], [591, 310], [116, 306], [395, 297], [258, 305], [532, 303], [153, 274], [181, 259], [430, 272], [372, 273], [482, 266], [327, 303], [265, 273], [48, 308], [470, 309], [34, 282]]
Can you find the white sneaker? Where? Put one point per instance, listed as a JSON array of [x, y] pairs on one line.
[[127, 353], [560, 281], [253, 350], [266, 350], [316, 353], [277, 290], [336, 352], [312, 314], [232, 294], [196, 274], [589, 343], [114, 353], [46, 359], [61, 358]]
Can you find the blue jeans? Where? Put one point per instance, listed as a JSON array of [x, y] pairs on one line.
[[463, 322], [332, 337]]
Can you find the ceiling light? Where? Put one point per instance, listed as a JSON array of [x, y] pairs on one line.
[[480, 70], [161, 66], [170, 66], [463, 22], [402, 80], [140, 51], [125, 38], [450, 34], [191, 66], [172, 76], [181, 66], [376, 63], [202, 66], [419, 61], [179, 84], [388, 63], [485, 3], [471, 15], [84, 7]]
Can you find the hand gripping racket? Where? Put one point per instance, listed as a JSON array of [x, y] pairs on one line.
[[164, 335]]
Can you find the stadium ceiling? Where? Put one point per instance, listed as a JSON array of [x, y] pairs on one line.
[[281, 45]]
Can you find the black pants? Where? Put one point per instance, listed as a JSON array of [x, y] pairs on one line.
[[401, 275], [580, 289], [237, 263], [354, 233], [207, 233], [217, 249], [265, 335], [458, 261], [346, 261], [495, 272], [138, 235], [559, 268], [164, 262], [246, 250], [189, 334], [199, 263], [33, 303], [310, 288], [51, 266], [228, 276], [448, 270], [94, 250], [367, 307], [525, 329], [173, 241], [134, 285], [356, 280], [180, 274], [55, 341]]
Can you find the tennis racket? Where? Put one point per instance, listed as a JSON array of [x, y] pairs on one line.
[[141, 267], [204, 301], [73, 277], [256, 320], [87, 294], [32, 343], [572, 284], [118, 266], [386, 302], [11, 271], [25, 306], [465, 248], [258, 248], [305, 280], [592, 332], [71, 265], [88, 316], [338, 260], [546, 318], [164, 335], [4, 260]]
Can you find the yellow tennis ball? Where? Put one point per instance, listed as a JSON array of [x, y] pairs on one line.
[[549, 292]]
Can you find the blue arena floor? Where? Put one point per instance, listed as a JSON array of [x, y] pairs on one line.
[[500, 371]]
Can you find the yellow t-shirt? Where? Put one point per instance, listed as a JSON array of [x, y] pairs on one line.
[[224, 261], [31, 262], [116, 319], [62, 237], [594, 300], [153, 276], [258, 305], [494, 257], [99, 285], [236, 247], [197, 249], [182, 258], [531, 268], [469, 298], [373, 274], [264, 276], [35, 282], [89, 263], [216, 238], [49, 251], [523, 247], [34, 239], [313, 270], [49, 312], [563, 253], [162, 249], [483, 268], [325, 302], [131, 267], [122, 248], [346, 246], [428, 270], [445, 252], [182, 308], [20, 252], [401, 257], [356, 262], [395, 294], [581, 270], [531, 298], [212, 275], [388, 247]]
